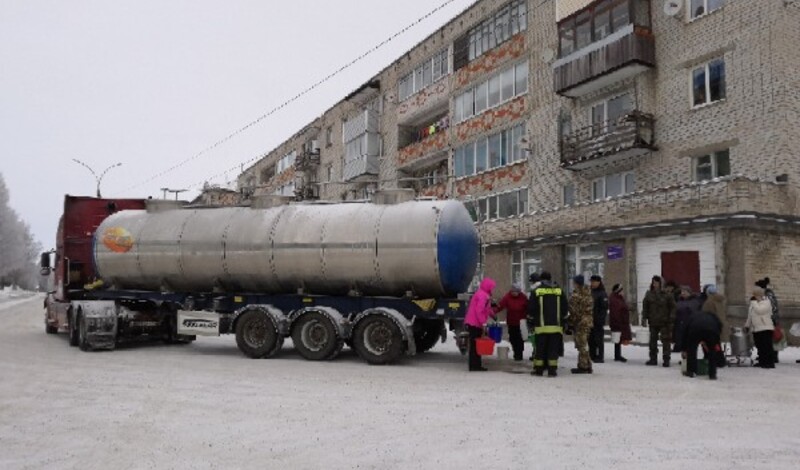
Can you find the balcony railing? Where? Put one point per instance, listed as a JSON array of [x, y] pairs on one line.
[[629, 136], [617, 57], [307, 160]]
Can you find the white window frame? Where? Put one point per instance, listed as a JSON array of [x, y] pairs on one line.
[[714, 165], [605, 102], [508, 148], [460, 109], [526, 261], [706, 12], [286, 162], [706, 66], [483, 37], [419, 71], [603, 179], [493, 200]]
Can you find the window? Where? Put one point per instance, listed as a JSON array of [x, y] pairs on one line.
[[606, 114], [714, 165], [500, 206], [613, 185], [285, 190], [583, 30], [498, 28], [267, 174], [585, 259], [597, 22], [708, 83], [569, 194], [286, 162], [428, 72], [523, 264], [329, 136], [698, 8], [490, 152], [498, 89]]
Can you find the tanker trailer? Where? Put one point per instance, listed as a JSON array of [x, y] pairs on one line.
[[383, 278]]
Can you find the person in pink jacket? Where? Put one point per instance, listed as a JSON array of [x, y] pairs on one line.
[[478, 313]]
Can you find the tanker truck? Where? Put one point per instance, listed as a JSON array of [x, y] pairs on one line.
[[385, 279]]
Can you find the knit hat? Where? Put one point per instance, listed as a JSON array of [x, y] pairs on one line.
[[763, 283], [657, 279], [616, 288], [533, 278], [596, 278], [711, 289], [579, 280], [516, 287]]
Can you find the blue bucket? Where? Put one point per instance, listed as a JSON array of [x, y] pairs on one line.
[[496, 333]]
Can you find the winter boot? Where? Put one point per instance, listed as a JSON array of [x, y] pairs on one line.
[[552, 372], [651, 362], [666, 363], [538, 371], [579, 370]]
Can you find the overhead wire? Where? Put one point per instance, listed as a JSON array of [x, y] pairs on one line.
[[285, 104]]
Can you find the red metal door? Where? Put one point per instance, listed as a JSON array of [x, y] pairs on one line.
[[683, 267]]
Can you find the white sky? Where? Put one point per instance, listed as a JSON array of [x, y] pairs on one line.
[[150, 83]]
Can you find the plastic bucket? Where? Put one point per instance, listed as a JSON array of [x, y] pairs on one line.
[[532, 338], [495, 332], [484, 346], [502, 353], [616, 337], [643, 336]]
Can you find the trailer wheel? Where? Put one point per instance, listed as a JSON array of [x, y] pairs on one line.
[[83, 342], [257, 335], [378, 340], [427, 334], [315, 337], [50, 329], [73, 329]]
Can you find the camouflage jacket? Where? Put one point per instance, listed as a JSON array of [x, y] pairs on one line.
[[581, 305]]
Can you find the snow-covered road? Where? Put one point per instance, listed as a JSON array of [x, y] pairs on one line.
[[205, 406]]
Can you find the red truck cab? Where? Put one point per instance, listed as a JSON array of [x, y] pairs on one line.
[[73, 266]]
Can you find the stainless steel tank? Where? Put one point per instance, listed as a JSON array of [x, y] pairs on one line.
[[428, 247]]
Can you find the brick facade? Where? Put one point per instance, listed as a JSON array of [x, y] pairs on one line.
[[758, 121]]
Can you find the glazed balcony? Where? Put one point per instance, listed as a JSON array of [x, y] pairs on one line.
[[630, 136], [620, 56]]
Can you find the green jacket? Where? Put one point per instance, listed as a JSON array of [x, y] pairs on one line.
[[659, 308], [581, 306]]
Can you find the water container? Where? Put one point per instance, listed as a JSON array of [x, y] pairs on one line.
[[484, 346], [740, 344], [495, 332], [616, 337]]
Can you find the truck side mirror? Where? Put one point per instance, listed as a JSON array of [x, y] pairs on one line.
[[44, 264]]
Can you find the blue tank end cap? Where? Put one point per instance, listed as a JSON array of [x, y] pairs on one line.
[[457, 249]]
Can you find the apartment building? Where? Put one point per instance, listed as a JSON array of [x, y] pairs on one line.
[[625, 138]]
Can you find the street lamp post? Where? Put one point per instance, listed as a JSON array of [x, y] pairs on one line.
[[99, 179]]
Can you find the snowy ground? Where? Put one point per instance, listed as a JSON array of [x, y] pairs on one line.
[[206, 406]]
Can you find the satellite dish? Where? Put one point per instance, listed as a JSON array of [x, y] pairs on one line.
[[673, 7]]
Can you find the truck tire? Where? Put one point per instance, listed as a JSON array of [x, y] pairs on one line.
[[72, 329], [83, 342], [427, 334], [315, 337], [256, 335], [378, 340]]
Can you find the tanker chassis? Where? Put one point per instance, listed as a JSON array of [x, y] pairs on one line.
[[384, 279]]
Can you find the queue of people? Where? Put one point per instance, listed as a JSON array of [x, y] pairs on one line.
[[681, 320]]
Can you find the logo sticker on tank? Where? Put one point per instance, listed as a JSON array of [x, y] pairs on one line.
[[117, 239]]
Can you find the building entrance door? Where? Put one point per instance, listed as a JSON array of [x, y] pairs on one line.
[[683, 267]]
